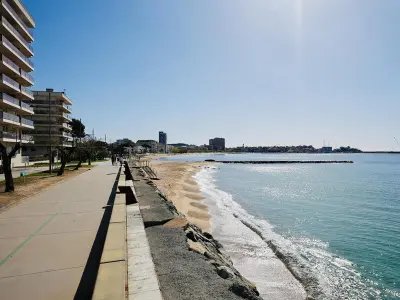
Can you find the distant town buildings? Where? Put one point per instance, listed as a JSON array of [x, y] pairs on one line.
[[123, 141], [217, 144], [15, 63], [162, 139], [52, 122], [326, 149], [149, 145]]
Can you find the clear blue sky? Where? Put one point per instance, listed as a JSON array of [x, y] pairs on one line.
[[256, 72]]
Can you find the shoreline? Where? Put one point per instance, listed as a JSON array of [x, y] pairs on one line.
[[176, 182]]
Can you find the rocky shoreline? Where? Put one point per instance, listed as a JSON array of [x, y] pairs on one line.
[[188, 261]]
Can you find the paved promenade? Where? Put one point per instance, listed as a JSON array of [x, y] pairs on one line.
[[46, 240]]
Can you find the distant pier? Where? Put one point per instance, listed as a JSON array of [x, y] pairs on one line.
[[282, 161]]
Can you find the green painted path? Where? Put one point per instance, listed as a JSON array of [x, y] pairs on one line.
[[45, 241]]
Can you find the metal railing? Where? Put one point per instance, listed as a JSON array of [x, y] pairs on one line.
[[15, 31], [26, 137], [15, 15], [26, 91], [66, 134], [8, 135], [27, 76], [8, 98], [10, 63], [65, 105], [16, 50], [66, 116], [10, 81], [7, 116], [26, 122], [26, 106]]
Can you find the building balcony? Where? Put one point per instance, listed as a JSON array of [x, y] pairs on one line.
[[26, 79], [26, 93], [53, 143], [15, 55], [54, 105], [15, 37], [9, 85], [26, 108], [44, 125], [16, 19], [10, 137], [14, 137], [66, 116], [67, 126], [8, 67], [8, 102], [21, 10], [27, 123], [9, 119], [27, 139]]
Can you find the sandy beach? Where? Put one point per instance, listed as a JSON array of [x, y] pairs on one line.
[[267, 272], [177, 183]]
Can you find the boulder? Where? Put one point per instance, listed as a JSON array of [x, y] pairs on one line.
[[225, 272]]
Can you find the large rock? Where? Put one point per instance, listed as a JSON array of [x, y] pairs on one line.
[[225, 272]]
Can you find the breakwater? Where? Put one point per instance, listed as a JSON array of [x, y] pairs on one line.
[[282, 161]]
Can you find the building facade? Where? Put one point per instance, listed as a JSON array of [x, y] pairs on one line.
[[52, 122], [162, 140], [217, 144], [15, 79], [149, 145]]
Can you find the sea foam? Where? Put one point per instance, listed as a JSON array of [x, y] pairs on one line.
[[254, 247]]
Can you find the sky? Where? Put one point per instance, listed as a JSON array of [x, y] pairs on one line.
[[259, 72]]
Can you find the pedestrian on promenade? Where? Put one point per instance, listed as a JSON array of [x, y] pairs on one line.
[[113, 159]]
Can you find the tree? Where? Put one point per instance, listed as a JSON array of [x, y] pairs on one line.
[[6, 157], [78, 128], [78, 132], [65, 153]]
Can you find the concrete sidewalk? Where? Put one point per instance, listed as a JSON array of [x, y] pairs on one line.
[[45, 241]]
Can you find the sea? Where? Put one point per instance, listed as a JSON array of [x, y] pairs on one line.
[[336, 226]]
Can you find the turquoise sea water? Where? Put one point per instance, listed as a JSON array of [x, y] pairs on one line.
[[342, 221]]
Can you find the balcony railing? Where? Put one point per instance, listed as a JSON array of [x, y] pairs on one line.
[[26, 122], [27, 76], [10, 63], [26, 137], [8, 135], [26, 91], [15, 31], [15, 15], [10, 117], [8, 98], [66, 125], [16, 50], [66, 116], [10, 81], [26, 106], [66, 134]]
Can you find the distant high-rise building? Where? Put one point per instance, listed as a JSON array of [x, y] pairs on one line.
[[162, 139], [52, 122], [217, 144]]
